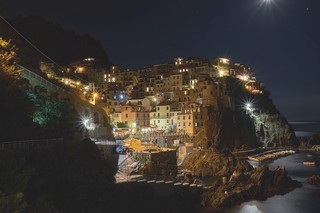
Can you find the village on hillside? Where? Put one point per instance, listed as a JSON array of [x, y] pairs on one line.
[[171, 98]]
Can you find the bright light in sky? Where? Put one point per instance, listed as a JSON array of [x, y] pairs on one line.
[[267, 1]]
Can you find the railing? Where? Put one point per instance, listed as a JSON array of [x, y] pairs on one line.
[[106, 143], [162, 134], [28, 73], [29, 144]]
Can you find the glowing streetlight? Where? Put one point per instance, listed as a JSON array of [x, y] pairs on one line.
[[85, 122], [248, 106]]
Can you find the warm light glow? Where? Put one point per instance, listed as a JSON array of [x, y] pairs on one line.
[[245, 77], [224, 60]]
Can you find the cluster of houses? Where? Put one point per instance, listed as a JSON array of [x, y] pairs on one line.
[[171, 97]]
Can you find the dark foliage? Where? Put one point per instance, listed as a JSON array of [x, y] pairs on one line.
[[63, 46], [15, 112]]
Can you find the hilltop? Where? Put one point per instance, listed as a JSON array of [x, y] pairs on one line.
[[61, 45]]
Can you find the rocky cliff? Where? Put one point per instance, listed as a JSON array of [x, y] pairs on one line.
[[314, 180], [210, 162], [272, 129], [236, 127], [257, 184]]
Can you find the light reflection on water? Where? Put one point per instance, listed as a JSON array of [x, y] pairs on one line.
[[304, 199]]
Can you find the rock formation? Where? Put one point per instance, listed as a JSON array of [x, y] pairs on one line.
[[210, 162], [257, 184], [314, 180]]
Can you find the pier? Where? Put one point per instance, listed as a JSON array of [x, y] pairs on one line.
[[271, 155]]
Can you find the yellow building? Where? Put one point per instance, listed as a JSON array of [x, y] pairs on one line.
[[164, 116]]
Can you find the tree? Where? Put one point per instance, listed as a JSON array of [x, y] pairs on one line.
[[7, 56]]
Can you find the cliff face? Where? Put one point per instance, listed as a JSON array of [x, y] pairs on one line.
[[236, 127], [63, 46], [272, 129], [210, 162]]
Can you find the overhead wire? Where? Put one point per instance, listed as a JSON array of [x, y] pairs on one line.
[[37, 49]]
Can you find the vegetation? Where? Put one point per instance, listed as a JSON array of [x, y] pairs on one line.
[[7, 55], [29, 112], [41, 32]]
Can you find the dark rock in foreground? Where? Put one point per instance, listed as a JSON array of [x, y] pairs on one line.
[[260, 184], [211, 162], [314, 180]]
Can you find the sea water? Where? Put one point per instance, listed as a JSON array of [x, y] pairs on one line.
[[305, 128]]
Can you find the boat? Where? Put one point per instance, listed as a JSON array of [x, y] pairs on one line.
[[309, 163]]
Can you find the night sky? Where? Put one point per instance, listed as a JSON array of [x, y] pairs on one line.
[[280, 40]]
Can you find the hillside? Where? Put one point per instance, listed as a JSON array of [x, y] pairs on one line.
[[61, 45]]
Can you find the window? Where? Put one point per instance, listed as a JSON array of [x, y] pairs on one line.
[[195, 123], [158, 121], [167, 108], [96, 117], [167, 121], [127, 116]]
